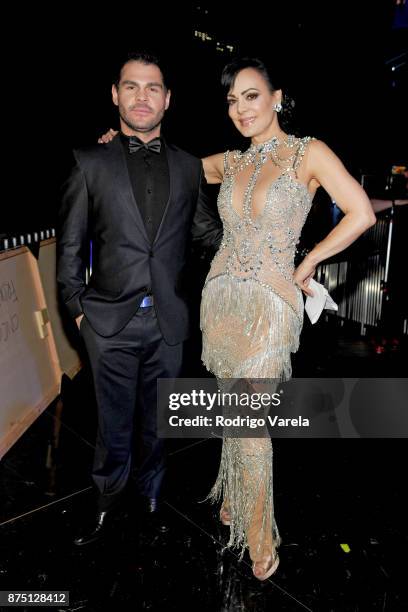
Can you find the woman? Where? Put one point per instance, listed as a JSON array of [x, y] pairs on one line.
[[252, 305]]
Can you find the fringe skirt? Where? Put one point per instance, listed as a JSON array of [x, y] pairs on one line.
[[249, 332]]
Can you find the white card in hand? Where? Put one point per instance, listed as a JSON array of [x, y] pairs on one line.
[[321, 299]]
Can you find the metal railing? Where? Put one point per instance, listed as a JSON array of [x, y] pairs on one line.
[[358, 283]]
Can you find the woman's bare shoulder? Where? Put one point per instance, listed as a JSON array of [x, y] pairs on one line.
[[214, 167]]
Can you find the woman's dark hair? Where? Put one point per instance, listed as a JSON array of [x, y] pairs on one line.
[[143, 58], [231, 70]]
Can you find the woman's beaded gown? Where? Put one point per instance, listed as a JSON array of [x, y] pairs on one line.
[[252, 315]]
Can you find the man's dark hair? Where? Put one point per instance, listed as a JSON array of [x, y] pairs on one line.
[[143, 58]]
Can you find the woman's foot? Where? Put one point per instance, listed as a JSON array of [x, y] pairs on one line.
[[265, 568], [225, 516]]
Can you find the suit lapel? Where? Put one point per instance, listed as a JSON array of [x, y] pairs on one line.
[[123, 186], [173, 169]]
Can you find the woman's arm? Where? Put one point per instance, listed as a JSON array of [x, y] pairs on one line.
[[214, 168], [326, 168], [108, 136]]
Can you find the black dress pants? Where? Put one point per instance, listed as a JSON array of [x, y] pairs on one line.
[[125, 368]]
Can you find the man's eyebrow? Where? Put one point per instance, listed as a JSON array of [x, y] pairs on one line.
[[243, 92], [153, 83]]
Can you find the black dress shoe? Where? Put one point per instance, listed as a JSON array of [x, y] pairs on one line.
[[150, 505], [96, 530], [145, 504]]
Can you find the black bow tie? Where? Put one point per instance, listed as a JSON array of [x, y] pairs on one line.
[[135, 145]]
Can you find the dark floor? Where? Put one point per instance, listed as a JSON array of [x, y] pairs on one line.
[[328, 493]]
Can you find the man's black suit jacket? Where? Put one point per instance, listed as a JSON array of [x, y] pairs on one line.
[[98, 208]]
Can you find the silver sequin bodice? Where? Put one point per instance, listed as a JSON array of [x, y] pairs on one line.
[[263, 249]]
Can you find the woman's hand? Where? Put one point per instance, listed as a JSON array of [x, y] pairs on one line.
[[108, 136], [302, 275]]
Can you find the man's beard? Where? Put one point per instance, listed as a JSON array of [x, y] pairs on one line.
[[144, 128]]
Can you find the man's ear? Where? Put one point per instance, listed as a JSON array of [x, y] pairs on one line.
[[168, 96], [115, 95]]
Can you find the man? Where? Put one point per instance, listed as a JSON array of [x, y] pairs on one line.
[[136, 198]]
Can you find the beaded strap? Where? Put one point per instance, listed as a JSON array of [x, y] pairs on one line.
[[226, 154], [229, 168], [300, 153], [287, 165]]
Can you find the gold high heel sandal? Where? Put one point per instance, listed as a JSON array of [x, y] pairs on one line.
[[270, 571]]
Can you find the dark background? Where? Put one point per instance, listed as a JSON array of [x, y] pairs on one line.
[[56, 72], [334, 59]]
